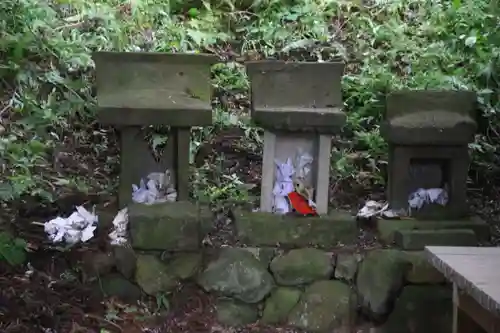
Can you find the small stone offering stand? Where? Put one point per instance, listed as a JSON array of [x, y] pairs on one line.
[[305, 272]]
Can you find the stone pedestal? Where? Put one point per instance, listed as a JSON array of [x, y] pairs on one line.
[[299, 105], [142, 89], [428, 134]]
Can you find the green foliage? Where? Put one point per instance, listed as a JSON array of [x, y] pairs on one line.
[[47, 72], [12, 250]]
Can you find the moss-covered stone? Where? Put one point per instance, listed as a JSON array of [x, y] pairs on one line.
[[324, 306], [153, 276], [116, 285], [266, 229], [97, 264], [279, 304], [421, 309], [263, 254], [185, 265], [125, 258], [167, 226], [346, 266], [238, 274], [233, 313], [430, 117], [387, 228], [421, 271], [379, 279], [418, 239], [318, 106], [301, 266]]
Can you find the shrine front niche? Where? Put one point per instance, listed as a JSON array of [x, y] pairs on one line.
[[428, 134]]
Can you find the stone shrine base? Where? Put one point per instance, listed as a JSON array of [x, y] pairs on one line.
[[311, 273]]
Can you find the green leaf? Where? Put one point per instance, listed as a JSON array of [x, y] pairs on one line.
[[12, 250], [193, 12]]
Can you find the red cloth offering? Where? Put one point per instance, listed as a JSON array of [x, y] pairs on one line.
[[300, 204]]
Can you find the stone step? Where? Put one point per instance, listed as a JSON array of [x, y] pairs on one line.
[[418, 239], [387, 228]]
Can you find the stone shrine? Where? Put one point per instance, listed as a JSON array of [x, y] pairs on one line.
[[299, 105], [136, 89], [428, 134]]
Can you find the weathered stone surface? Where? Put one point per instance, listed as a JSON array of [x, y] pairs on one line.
[[185, 265], [137, 88], [418, 239], [237, 273], [125, 260], [346, 266], [324, 306], [315, 107], [301, 266], [380, 277], [266, 229], [387, 228], [421, 309], [421, 271], [413, 167], [118, 286], [264, 254], [279, 304], [233, 313], [153, 276], [430, 117], [166, 226], [409, 129], [96, 264]]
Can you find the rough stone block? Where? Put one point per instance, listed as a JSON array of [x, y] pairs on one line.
[[418, 309], [302, 266], [421, 271], [153, 275], [235, 313], [167, 226], [418, 239], [236, 273], [279, 304], [315, 106], [380, 278], [388, 228], [325, 306], [346, 266], [266, 229], [263, 254], [116, 285], [138, 88], [185, 265], [430, 117], [125, 258]]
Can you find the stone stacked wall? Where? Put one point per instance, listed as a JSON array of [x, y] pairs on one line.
[[310, 273]]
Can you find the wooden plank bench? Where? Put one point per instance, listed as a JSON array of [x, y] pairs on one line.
[[475, 274]]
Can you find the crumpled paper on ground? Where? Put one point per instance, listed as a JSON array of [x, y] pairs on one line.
[[158, 188], [376, 209], [283, 184], [118, 235], [420, 197], [416, 200], [78, 227]]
